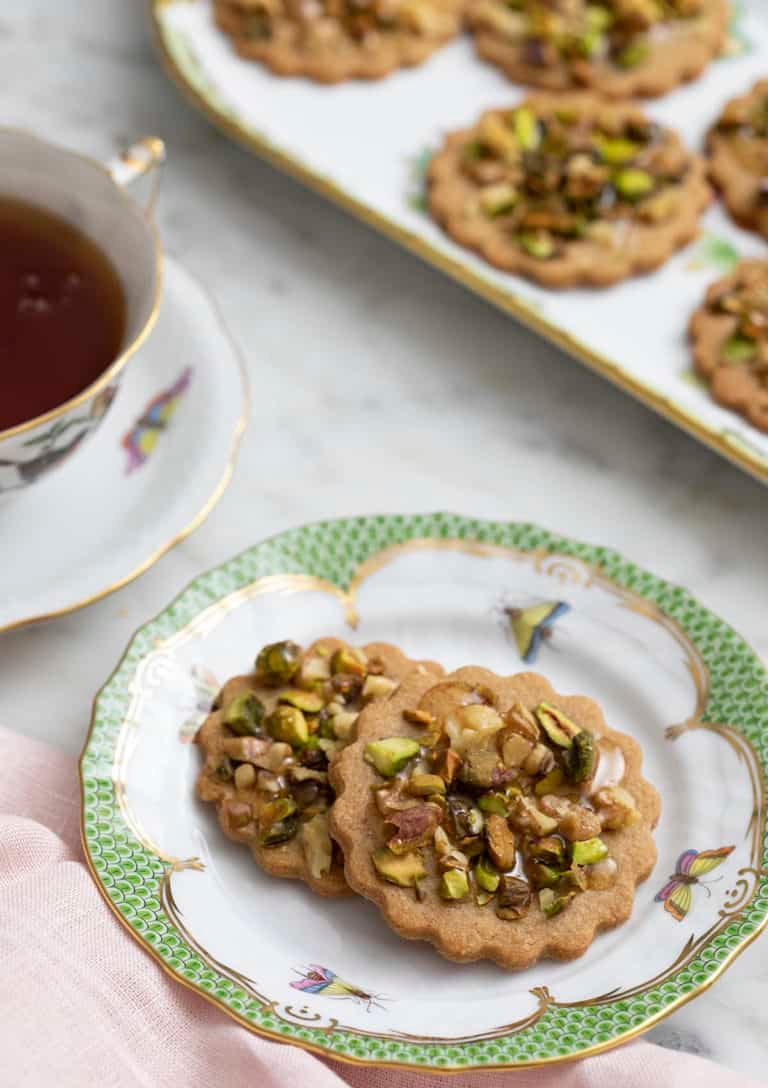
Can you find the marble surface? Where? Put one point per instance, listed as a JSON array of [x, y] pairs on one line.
[[377, 384]]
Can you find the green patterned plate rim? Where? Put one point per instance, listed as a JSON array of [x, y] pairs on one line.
[[131, 877]]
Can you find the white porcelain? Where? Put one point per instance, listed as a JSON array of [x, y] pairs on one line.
[[366, 146], [91, 197], [111, 512], [440, 586]]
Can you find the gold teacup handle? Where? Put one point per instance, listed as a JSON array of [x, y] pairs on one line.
[[142, 158]]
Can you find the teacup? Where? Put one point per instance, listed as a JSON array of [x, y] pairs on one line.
[[91, 196]]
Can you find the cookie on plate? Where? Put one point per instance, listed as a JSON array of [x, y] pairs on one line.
[[269, 741], [620, 48], [568, 189], [738, 157], [493, 817], [729, 336], [334, 40]]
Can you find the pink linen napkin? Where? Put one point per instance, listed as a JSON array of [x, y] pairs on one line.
[[83, 1004]]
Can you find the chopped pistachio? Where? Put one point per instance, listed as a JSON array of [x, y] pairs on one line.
[[486, 874], [313, 672], [414, 826], [225, 769], [549, 782], [582, 757], [498, 199], [526, 128], [540, 761], [598, 17], [559, 728], [483, 898], [278, 662], [537, 243], [739, 349], [550, 850], [454, 884], [589, 852], [632, 55], [379, 687], [448, 764], [493, 802], [543, 876], [288, 724], [309, 702], [592, 43], [617, 150], [391, 754], [574, 879], [514, 898], [465, 820], [518, 719], [278, 821], [633, 184], [348, 660], [552, 903], [343, 725], [514, 748], [616, 808], [238, 814], [526, 817], [422, 785], [244, 714], [479, 767], [405, 870]]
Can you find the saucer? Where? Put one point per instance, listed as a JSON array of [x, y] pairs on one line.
[[150, 476]]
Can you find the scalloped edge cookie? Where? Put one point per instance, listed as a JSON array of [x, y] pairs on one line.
[[644, 247], [736, 183], [337, 62], [462, 931], [672, 62], [732, 387], [287, 859]]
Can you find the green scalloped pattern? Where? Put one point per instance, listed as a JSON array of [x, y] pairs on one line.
[[130, 875]]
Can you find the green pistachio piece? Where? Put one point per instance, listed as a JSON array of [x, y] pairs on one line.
[[560, 729], [473, 151], [405, 870], [466, 820], [454, 884], [551, 902], [493, 802], [288, 724], [632, 184], [347, 660], [582, 757], [278, 821], [487, 875], [307, 701], [598, 17], [549, 782], [632, 55], [278, 662], [390, 755], [514, 898], [617, 151], [592, 42], [543, 876], [588, 851], [537, 243], [244, 715], [424, 785], [482, 898], [573, 879], [526, 128], [739, 349], [498, 199], [550, 850]]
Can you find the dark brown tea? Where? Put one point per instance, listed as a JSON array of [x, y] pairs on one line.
[[62, 312]]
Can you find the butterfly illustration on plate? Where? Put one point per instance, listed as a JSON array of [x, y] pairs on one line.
[[691, 866], [320, 980], [142, 438], [533, 624]]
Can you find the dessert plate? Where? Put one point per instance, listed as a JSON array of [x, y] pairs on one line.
[[631, 334], [329, 975], [151, 475]]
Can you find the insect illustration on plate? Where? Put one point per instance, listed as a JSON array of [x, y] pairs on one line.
[[676, 895], [531, 625], [320, 980]]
